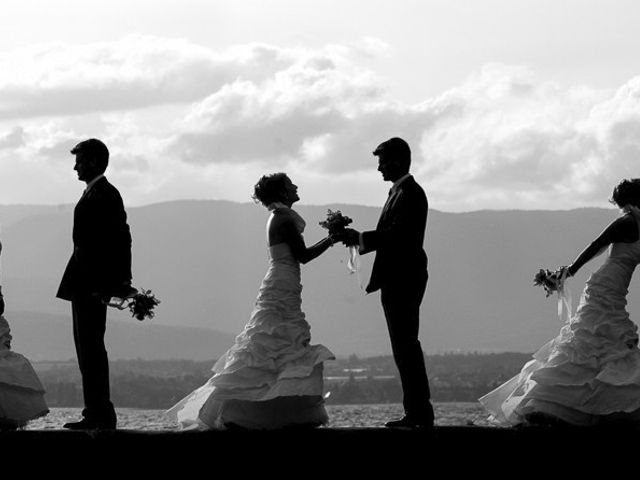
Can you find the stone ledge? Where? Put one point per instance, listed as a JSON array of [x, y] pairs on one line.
[[355, 450]]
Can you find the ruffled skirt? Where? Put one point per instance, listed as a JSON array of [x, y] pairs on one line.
[[271, 377], [588, 375], [21, 393]]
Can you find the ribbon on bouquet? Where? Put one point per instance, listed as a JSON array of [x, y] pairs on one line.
[[565, 303], [353, 263]]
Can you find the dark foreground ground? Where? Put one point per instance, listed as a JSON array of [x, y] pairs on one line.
[[451, 452]]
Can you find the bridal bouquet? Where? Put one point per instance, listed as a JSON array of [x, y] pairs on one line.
[[335, 222], [551, 281], [140, 303]]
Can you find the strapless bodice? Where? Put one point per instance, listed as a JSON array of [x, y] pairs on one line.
[[281, 253], [616, 271], [625, 253]]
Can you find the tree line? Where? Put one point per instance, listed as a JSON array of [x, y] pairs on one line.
[[158, 384]]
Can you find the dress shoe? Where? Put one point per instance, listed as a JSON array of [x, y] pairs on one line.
[[86, 424], [407, 422]]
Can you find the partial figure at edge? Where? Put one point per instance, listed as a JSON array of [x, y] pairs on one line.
[[21, 392], [589, 374]]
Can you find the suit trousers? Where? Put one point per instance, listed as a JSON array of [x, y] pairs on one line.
[[89, 326], [401, 304]]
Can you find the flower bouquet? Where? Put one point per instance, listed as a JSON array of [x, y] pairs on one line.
[[551, 281], [336, 222], [139, 302]]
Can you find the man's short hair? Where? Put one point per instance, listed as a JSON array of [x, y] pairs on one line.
[[397, 149], [96, 150]]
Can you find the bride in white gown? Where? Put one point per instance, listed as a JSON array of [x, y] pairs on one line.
[[271, 377], [21, 392], [590, 373]]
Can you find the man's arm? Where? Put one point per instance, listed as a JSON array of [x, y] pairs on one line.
[[405, 223], [118, 235], [407, 215]]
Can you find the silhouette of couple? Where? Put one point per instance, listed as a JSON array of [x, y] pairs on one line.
[[272, 376]]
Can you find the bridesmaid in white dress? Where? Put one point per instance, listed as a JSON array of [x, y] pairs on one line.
[[21, 392], [271, 377], [590, 373]]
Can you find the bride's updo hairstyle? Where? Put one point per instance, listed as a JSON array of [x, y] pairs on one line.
[[270, 188], [627, 192]]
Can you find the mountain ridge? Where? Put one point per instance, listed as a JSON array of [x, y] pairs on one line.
[[205, 260]]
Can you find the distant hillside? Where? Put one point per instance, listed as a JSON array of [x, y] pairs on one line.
[[49, 337], [10, 214], [206, 259]]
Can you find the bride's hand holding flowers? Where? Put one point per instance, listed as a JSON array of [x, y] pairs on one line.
[[336, 224], [345, 236], [350, 237], [552, 281]]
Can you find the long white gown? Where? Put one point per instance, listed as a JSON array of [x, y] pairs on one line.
[[271, 377], [590, 373], [21, 392]]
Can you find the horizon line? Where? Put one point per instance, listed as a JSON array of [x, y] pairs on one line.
[[222, 200]]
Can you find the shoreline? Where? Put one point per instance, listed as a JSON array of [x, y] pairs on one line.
[[340, 416]]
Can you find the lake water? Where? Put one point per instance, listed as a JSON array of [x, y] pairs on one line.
[[339, 416]]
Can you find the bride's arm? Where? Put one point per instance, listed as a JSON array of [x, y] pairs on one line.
[[314, 251], [295, 240], [623, 229]]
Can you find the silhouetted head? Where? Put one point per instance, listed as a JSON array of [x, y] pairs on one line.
[[275, 187], [627, 192], [92, 158], [394, 158]]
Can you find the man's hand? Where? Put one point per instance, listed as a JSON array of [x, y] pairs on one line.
[[350, 237], [126, 290]]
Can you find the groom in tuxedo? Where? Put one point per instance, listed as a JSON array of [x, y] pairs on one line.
[[400, 273], [99, 268]]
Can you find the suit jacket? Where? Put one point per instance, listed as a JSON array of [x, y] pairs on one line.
[[101, 259], [399, 237]]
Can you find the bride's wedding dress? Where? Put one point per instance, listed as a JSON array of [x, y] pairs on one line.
[[271, 377], [21, 392], [590, 373]]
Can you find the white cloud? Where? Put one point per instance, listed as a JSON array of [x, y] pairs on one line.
[[517, 142], [12, 139], [323, 97], [503, 138], [135, 72]]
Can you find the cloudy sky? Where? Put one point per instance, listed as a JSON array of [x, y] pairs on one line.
[[507, 104]]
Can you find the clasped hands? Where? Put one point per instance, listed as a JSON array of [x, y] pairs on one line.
[[349, 237]]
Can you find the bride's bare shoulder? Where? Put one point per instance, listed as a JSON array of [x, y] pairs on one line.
[[281, 218], [282, 215], [622, 229]]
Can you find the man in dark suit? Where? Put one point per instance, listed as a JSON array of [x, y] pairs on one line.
[[99, 268], [400, 273]]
